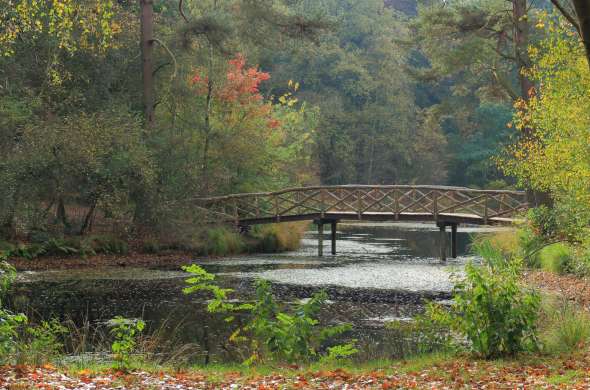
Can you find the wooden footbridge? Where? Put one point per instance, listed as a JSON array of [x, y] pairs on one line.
[[445, 206]]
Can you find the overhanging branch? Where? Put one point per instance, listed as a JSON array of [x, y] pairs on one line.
[[566, 14]]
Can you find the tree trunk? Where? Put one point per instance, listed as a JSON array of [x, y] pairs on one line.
[[61, 213], [205, 164], [147, 58], [88, 219], [521, 43]]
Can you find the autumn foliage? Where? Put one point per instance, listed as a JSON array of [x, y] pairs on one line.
[[241, 84]]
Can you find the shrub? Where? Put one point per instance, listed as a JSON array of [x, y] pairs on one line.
[[9, 326], [106, 244], [28, 252], [543, 221], [292, 337], [272, 333], [496, 315], [57, 247], [151, 246], [41, 343], [125, 331], [6, 248], [221, 241], [9, 322], [278, 237], [29, 344]]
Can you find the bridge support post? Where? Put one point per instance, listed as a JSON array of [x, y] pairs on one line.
[[333, 234], [443, 241], [320, 238], [454, 241]]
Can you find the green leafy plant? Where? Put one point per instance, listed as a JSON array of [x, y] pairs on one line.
[[339, 352], [271, 333], [9, 326], [429, 332], [201, 280], [125, 332], [55, 246], [491, 310], [9, 321], [291, 337], [41, 343], [107, 244], [221, 241]]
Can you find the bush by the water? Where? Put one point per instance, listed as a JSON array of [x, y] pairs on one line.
[[278, 237], [125, 332], [66, 246], [271, 333], [204, 241], [20, 341], [223, 240], [491, 309]]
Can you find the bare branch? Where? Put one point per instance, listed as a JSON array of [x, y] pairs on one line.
[[505, 84], [156, 40], [181, 10]]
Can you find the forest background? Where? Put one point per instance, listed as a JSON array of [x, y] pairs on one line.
[[248, 95]]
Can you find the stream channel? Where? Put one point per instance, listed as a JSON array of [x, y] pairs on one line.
[[382, 272]]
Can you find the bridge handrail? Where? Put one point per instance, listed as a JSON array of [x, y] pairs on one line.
[[361, 186]]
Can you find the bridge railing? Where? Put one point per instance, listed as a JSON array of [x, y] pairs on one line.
[[358, 201]]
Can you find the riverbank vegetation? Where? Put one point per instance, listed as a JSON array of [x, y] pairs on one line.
[[102, 159], [212, 241]]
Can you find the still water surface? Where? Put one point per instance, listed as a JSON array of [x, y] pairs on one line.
[[381, 272]]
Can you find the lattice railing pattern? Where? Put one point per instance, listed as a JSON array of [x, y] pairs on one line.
[[359, 201]]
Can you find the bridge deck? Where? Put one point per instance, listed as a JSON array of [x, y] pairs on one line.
[[373, 203]]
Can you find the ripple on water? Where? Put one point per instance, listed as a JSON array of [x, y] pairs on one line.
[[394, 275]]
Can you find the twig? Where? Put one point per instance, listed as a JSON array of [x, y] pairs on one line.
[[181, 11], [156, 40]]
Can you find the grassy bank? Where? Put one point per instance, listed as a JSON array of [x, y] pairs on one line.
[[107, 248], [424, 372]]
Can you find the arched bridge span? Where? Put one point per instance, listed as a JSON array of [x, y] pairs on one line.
[[443, 205], [375, 203]]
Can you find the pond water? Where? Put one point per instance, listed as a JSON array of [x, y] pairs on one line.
[[382, 272]]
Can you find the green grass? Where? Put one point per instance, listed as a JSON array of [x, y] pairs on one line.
[[564, 327], [222, 241], [279, 237], [555, 258], [217, 371], [446, 367], [565, 378]]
